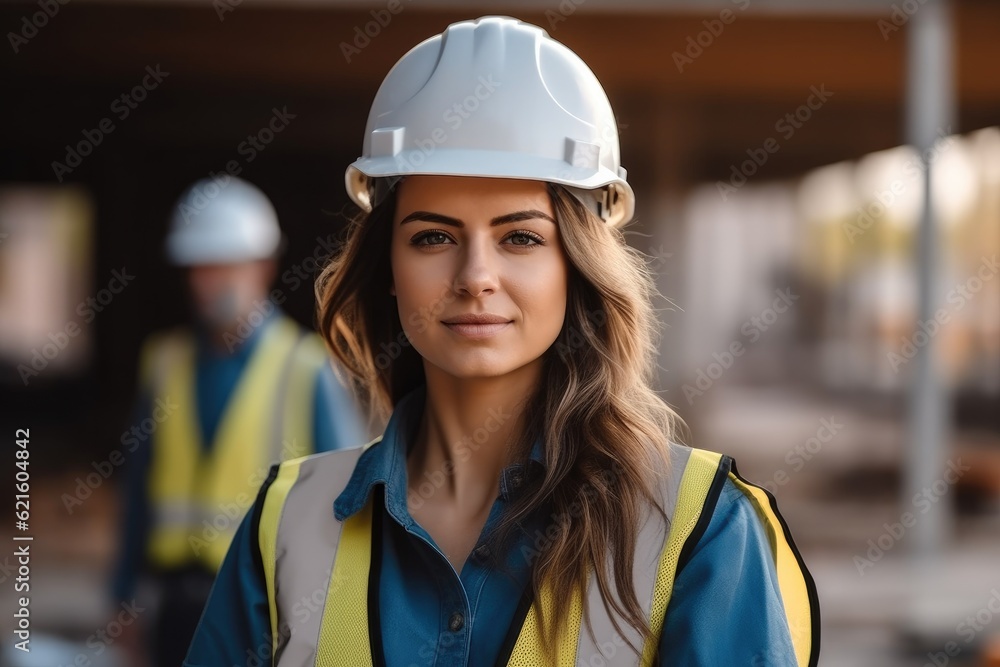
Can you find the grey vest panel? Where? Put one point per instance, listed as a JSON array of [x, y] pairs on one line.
[[607, 647], [308, 534]]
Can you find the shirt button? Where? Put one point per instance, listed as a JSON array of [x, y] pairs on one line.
[[456, 622]]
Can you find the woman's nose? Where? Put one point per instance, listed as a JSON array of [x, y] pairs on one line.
[[476, 273]]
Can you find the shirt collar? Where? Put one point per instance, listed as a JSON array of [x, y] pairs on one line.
[[513, 476], [384, 462]]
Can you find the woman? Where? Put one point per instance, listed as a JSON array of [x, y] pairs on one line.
[[527, 503]]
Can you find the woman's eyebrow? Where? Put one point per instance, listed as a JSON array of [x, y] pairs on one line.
[[516, 216], [427, 216]]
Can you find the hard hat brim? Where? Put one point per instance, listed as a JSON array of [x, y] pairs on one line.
[[489, 164]]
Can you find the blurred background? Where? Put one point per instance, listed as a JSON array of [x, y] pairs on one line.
[[818, 189]]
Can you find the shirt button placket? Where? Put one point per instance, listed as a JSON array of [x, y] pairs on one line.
[[454, 644]]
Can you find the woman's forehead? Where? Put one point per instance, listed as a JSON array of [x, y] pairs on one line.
[[419, 192]]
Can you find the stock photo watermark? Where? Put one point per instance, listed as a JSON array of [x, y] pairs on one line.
[[803, 452], [562, 13], [363, 35], [102, 639], [883, 200], [786, 126], [227, 515], [30, 25], [559, 522], [658, 258], [752, 329], [161, 410], [697, 44], [453, 116], [40, 358], [958, 297], [968, 629], [300, 273], [898, 17], [248, 150], [574, 339], [249, 323], [223, 7], [922, 501], [122, 106], [465, 449]]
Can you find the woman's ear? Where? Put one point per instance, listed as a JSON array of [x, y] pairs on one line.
[[392, 289]]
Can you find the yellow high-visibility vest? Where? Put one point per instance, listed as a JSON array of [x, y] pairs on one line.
[[306, 551], [198, 499]]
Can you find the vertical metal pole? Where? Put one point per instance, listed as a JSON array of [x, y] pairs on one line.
[[930, 114]]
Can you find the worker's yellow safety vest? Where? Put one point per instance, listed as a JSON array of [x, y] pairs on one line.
[[307, 554], [199, 499]]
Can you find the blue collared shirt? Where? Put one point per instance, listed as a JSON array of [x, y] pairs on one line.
[[725, 608]]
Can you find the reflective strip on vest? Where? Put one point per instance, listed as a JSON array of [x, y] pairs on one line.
[[798, 591], [299, 554], [648, 569], [313, 558], [198, 500]]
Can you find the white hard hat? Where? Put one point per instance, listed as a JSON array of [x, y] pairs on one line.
[[222, 221], [494, 97]]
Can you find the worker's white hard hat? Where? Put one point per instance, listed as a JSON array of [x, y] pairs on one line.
[[222, 221], [494, 97]]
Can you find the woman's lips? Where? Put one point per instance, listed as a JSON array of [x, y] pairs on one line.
[[477, 330]]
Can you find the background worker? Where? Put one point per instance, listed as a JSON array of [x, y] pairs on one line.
[[244, 387]]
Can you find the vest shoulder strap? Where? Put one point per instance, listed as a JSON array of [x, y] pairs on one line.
[[694, 502], [301, 553], [703, 476], [688, 488], [798, 590]]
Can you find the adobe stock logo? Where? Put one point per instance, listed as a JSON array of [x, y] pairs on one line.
[[753, 329], [30, 27], [122, 107], [697, 44], [38, 358], [786, 126], [454, 116], [363, 35], [923, 500]]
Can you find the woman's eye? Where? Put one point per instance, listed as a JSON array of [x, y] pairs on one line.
[[436, 238], [524, 238]]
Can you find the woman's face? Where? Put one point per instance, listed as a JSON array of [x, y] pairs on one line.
[[471, 246]]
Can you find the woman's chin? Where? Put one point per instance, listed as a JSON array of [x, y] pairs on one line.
[[474, 366]]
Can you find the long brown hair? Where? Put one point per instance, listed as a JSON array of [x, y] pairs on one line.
[[606, 431]]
